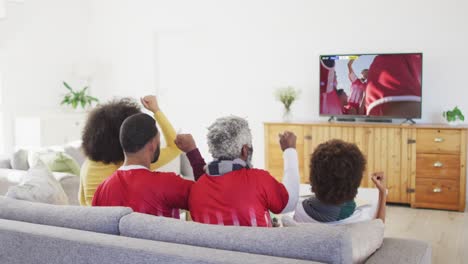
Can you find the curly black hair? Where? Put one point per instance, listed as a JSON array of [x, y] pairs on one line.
[[336, 169], [101, 132]]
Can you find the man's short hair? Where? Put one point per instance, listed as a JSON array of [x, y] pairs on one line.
[[136, 131], [226, 137], [336, 170]]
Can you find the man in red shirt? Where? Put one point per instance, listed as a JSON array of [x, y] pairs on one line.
[[134, 185], [394, 86], [232, 192], [329, 101], [358, 89]]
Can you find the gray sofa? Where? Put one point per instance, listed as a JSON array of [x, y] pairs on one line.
[[42, 233]]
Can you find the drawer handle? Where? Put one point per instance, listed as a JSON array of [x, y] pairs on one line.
[[437, 190], [438, 139], [438, 164]]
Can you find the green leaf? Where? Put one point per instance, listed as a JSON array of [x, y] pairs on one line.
[[83, 104], [74, 104], [93, 99], [67, 86]]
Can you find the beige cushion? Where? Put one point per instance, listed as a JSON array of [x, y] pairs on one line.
[[39, 185]]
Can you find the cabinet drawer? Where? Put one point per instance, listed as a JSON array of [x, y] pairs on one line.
[[438, 166], [430, 191], [438, 141], [274, 130]]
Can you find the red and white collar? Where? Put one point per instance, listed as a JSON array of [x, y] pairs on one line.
[[132, 167]]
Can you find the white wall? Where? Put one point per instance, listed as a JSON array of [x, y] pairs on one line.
[[41, 43], [209, 58], [206, 58]]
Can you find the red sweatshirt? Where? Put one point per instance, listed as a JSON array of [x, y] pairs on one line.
[[145, 191], [242, 197]]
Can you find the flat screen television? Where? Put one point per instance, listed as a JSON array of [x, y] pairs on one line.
[[383, 86]]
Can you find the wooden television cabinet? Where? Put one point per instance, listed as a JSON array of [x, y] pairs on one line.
[[424, 164]]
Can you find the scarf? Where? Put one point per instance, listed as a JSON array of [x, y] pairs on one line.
[[221, 167], [327, 213]]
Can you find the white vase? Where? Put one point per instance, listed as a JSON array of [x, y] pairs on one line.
[[287, 116]]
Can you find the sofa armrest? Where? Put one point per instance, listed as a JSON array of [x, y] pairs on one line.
[[402, 251]]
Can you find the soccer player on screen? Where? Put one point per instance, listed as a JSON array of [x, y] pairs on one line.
[[358, 88], [394, 86], [345, 108], [329, 101]]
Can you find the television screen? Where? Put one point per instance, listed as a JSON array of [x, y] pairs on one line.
[[371, 85]]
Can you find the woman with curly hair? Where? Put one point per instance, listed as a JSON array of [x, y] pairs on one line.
[[336, 170], [102, 147]]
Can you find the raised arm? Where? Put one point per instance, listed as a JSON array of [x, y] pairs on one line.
[[171, 151], [380, 182], [291, 169], [186, 143], [351, 75]]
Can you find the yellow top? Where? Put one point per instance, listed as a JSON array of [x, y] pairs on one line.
[[93, 173]]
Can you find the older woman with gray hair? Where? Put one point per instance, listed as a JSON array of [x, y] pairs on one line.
[[232, 192]]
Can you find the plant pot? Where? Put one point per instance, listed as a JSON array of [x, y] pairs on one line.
[[455, 123]]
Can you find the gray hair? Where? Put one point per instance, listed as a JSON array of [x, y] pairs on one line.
[[227, 136]]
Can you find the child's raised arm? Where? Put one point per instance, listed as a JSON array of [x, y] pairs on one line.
[[380, 182]]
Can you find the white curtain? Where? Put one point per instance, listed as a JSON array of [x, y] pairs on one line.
[[2, 8]]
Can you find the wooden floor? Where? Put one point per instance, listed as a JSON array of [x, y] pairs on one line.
[[446, 231]]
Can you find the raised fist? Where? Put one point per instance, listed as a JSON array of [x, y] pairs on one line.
[[185, 142], [287, 140], [151, 103], [379, 180]]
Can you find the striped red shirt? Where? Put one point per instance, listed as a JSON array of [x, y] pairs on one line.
[[242, 197]]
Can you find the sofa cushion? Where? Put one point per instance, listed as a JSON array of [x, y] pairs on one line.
[[19, 160], [75, 151], [39, 185], [56, 161], [96, 219], [5, 162], [71, 185], [8, 178], [312, 242]]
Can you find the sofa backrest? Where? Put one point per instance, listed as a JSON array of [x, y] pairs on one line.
[[314, 242], [31, 243], [96, 219]]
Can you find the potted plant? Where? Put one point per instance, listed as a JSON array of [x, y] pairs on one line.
[[78, 98], [454, 117], [287, 96]]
